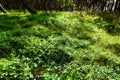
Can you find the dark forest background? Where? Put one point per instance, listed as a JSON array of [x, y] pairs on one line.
[[62, 5]]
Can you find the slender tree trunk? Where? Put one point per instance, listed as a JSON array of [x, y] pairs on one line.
[[25, 5], [103, 5], [118, 9], [116, 5], [44, 5], [2, 8]]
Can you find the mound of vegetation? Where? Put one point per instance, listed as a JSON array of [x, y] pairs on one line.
[[60, 46]]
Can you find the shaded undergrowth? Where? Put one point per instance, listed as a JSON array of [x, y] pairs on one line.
[[60, 46]]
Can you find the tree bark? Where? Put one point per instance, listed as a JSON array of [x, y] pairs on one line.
[[25, 5], [2, 8], [116, 5]]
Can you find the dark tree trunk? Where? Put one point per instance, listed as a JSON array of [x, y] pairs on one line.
[[118, 9], [25, 5], [2, 9], [103, 4], [44, 5], [116, 5]]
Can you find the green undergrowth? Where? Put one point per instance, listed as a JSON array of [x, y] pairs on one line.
[[60, 46]]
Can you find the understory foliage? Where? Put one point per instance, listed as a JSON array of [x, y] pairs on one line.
[[60, 46]]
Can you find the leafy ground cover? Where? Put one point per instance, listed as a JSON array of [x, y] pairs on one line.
[[60, 46]]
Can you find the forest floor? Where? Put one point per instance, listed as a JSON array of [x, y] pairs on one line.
[[60, 46]]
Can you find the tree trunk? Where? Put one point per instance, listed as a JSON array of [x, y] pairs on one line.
[[116, 5], [118, 9], [25, 5], [2, 8]]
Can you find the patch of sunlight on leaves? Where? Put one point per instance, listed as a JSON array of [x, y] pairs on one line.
[[6, 62], [101, 36]]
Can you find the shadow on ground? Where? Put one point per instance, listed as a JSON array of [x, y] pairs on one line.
[[115, 48], [16, 24], [10, 22], [112, 22]]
